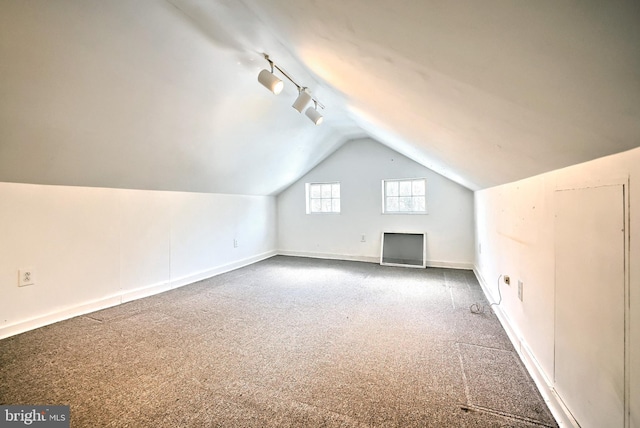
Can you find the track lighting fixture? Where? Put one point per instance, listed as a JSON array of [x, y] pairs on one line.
[[303, 99], [269, 80], [313, 114]]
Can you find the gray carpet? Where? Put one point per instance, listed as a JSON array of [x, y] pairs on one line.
[[285, 342]]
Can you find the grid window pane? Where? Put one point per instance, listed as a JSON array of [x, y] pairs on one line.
[[326, 205], [335, 205], [419, 203], [326, 190], [315, 190], [335, 190], [392, 204], [417, 187], [405, 188], [404, 203], [392, 188], [316, 205]]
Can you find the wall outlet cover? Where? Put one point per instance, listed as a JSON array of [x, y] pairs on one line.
[[520, 284], [26, 277]]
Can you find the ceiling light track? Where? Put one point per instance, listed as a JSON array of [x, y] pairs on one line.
[[270, 81]]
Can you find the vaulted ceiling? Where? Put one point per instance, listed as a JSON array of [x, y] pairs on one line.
[[163, 94]]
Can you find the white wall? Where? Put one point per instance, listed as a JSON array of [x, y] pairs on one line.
[[515, 236], [96, 247], [360, 166]]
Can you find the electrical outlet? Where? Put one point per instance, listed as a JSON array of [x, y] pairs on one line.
[[26, 277], [507, 280], [235, 243], [363, 238], [520, 284]]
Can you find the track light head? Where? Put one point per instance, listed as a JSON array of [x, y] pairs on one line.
[[270, 81], [313, 114], [303, 99]]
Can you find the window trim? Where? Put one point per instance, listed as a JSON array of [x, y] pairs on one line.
[[384, 197], [307, 189]]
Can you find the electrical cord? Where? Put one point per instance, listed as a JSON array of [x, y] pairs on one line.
[[476, 308]]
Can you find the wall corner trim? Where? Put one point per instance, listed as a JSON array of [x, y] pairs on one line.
[[558, 409]]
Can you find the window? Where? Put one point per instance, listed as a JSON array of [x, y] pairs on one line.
[[404, 196], [323, 197]]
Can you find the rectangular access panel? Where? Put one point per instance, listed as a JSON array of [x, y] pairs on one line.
[[403, 249], [589, 299]]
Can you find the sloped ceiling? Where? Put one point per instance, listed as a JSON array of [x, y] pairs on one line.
[[162, 94]]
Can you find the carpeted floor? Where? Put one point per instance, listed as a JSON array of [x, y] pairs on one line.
[[287, 342]]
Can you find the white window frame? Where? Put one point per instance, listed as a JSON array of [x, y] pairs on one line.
[[332, 198], [385, 209]]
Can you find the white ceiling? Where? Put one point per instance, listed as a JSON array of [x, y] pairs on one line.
[[163, 94]]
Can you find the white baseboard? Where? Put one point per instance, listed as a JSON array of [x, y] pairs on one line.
[[449, 265], [554, 402], [125, 296], [54, 317], [330, 256], [150, 290], [370, 259], [199, 276]]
